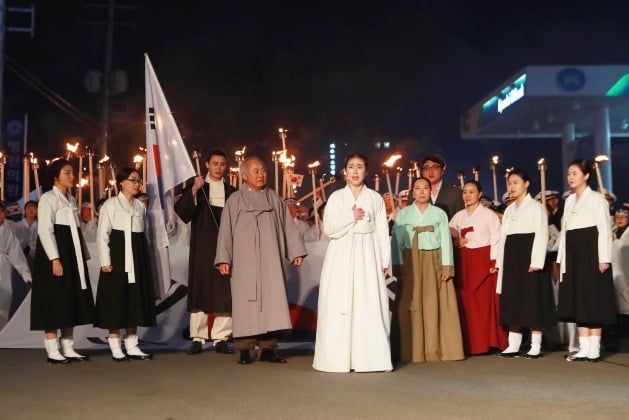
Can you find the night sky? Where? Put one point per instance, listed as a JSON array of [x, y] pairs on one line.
[[233, 72]]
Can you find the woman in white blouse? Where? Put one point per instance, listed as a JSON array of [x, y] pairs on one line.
[[61, 296], [124, 299], [526, 292], [586, 292]]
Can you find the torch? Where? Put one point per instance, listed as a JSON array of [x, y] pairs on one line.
[[239, 155], [79, 191], [541, 166], [138, 162], [507, 173], [35, 166], [26, 185], [3, 162], [144, 168], [196, 155], [276, 155], [461, 177], [416, 169], [101, 176], [398, 172], [313, 171], [597, 162], [386, 167], [376, 182], [90, 167], [71, 149], [495, 160], [475, 172], [112, 167], [410, 179]]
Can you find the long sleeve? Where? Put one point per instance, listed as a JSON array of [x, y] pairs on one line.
[[225, 240], [540, 243], [382, 228], [337, 221], [186, 205], [447, 253], [16, 255], [604, 231], [46, 225], [105, 223], [494, 235]]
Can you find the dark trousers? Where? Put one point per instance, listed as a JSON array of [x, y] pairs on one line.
[[267, 341]]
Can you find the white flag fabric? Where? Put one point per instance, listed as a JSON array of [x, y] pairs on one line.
[[168, 165]]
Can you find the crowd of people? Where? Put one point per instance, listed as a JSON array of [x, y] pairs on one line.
[[472, 276]]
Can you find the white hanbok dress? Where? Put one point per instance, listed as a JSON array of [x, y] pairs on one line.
[[353, 311]]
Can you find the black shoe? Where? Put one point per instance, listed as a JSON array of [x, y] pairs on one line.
[[509, 355], [222, 347], [121, 359], [592, 359], [271, 356], [532, 356], [573, 358], [245, 358], [57, 361], [195, 348], [78, 358], [140, 357]]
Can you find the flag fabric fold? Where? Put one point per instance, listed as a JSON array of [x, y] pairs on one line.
[[168, 165]]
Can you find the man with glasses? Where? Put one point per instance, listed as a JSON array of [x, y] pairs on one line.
[[208, 290], [445, 196]]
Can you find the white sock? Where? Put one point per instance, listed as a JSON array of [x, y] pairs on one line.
[[584, 347], [536, 344], [515, 339], [131, 345], [52, 348], [116, 350], [67, 347], [594, 351]]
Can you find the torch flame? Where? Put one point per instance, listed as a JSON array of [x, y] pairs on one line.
[[541, 161], [314, 165], [84, 182], [72, 149], [389, 163], [508, 171], [495, 159], [240, 152], [104, 159], [138, 159], [601, 158]]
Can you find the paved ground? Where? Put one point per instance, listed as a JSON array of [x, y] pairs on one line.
[[210, 385]]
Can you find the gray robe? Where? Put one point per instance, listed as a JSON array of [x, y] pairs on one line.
[[257, 238]]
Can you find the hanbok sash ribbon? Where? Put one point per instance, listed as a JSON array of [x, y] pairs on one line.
[[417, 298]]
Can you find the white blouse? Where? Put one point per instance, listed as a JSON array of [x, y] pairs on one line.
[[119, 214], [56, 208], [527, 217], [591, 209], [486, 228]]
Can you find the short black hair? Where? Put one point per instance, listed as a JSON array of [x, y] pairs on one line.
[[357, 156], [30, 203], [585, 166], [125, 173], [215, 152], [434, 158]]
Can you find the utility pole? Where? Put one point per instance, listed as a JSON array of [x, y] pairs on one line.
[[107, 74]]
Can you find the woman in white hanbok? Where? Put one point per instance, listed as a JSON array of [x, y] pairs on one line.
[[353, 310]]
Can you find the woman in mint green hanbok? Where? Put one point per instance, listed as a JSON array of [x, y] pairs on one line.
[[427, 314]]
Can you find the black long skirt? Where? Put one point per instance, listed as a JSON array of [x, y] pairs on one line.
[[120, 304], [586, 296], [59, 302], [527, 298]]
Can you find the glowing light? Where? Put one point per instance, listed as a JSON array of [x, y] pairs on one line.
[[601, 158], [104, 159], [391, 161], [495, 160]]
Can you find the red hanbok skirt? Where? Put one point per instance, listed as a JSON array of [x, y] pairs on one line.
[[479, 304]]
